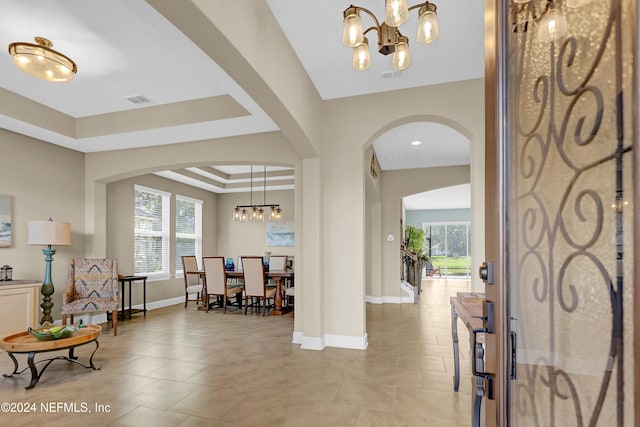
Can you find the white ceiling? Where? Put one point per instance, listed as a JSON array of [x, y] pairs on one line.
[[125, 48], [455, 197]]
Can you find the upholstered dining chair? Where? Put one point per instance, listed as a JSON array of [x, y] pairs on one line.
[[192, 283], [255, 284], [278, 263], [92, 286], [215, 282]]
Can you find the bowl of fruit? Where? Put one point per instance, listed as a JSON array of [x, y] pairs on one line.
[[49, 331]]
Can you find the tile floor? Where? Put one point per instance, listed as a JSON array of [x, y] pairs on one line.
[[181, 367]]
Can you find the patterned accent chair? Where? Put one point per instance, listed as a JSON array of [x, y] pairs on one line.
[[92, 287]]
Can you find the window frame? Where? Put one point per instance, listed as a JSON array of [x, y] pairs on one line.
[[165, 233], [179, 273]]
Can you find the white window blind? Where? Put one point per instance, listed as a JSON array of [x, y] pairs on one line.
[[151, 232], [188, 229]]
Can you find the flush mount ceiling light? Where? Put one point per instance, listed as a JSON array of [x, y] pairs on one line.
[[40, 61], [416, 143], [390, 40]]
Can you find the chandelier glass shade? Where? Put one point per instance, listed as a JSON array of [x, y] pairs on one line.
[[390, 40], [256, 212], [553, 24], [546, 17], [41, 61]]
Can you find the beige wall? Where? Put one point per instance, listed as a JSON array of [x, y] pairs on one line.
[[44, 181], [120, 224], [397, 184], [249, 238], [351, 125]]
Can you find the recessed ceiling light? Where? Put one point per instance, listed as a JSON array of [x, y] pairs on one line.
[[416, 143]]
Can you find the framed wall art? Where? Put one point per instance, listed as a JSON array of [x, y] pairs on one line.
[[5, 221], [280, 234]]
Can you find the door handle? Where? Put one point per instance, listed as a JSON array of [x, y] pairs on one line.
[[487, 376], [513, 355]]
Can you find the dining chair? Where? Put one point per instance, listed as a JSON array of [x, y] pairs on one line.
[[215, 282], [255, 283], [278, 262], [192, 283], [92, 286]]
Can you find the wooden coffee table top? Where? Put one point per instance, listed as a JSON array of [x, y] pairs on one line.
[[23, 342]]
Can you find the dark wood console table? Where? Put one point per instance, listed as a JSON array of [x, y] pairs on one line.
[[130, 280]]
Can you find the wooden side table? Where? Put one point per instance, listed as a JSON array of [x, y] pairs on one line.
[[23, 342], [468, 307]]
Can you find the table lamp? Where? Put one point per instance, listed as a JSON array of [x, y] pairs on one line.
[[48, 233]]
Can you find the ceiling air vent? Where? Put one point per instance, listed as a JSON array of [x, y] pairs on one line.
[[138, 99], [389, 75]]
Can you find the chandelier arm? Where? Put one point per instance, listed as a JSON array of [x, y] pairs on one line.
[[369, 29], [368, 12]]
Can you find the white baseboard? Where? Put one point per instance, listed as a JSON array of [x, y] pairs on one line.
[[346, 341], [297, 337], [91, 318], [330, 340], [162, 303], [312, 343], [388, 300]]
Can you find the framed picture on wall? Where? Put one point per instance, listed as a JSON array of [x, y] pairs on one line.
[[5, 221], [280, 234]]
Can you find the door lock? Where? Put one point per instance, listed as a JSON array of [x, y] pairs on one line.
[[486, 272]]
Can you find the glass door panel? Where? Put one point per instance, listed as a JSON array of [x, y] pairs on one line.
[[570, 212], [457, 250], [438, 247]]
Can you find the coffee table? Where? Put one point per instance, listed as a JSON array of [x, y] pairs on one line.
[[23, 342]]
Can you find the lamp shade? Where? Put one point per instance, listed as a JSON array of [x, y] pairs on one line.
[[428, 28], [553, 24], [49, 233], [352, 29], [396, 12], [401, 56], [361, 58]]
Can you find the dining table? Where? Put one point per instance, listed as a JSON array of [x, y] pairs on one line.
[[276, 275]]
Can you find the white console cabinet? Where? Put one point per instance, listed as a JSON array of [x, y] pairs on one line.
[[19, 301]]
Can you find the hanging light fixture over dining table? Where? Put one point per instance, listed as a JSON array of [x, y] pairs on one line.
[[256, 212]]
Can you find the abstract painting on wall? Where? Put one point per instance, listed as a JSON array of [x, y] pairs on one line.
[[5, 221], [280, 234]]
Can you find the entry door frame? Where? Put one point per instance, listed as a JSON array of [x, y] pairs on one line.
[[496, 91], [496, 151]]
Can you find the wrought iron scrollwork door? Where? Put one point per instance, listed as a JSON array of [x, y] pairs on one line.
[[570, 212]]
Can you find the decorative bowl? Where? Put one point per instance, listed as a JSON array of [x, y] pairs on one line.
[[49, 331]]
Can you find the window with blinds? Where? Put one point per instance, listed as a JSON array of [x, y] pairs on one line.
[[151, 232], [188, 229]]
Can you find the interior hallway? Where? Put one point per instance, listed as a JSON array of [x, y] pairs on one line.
[[181, 367]]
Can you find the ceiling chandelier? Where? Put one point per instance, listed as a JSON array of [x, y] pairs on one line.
[[251, 212], [390, 40], [40, 61], [547, 14]]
